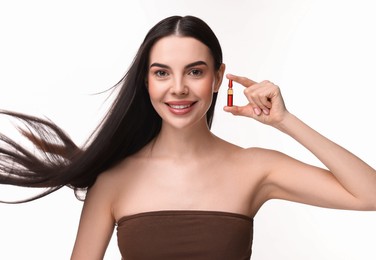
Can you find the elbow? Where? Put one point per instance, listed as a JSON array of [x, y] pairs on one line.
[[373, 207], [372, 203], [368, 205], [369, 208]]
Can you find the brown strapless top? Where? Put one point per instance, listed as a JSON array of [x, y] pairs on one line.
[[185, 234]]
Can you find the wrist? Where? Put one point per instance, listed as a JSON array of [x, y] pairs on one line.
[[287, 122]]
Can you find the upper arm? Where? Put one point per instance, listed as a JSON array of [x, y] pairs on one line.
[[96, 223], [293, 180]]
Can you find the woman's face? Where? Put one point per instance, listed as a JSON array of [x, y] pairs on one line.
[[181, 80]]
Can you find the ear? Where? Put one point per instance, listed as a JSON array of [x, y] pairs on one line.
[[219, 77]]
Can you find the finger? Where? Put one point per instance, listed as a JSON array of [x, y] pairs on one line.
[[267, 105], [266, 101], [246, 82], [240, 110], [261, 103], [258, 101]]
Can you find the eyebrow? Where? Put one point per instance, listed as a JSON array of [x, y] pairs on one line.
[[190, 65]]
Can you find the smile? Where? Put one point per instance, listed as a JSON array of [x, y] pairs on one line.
[[180, 107], [180, 104]]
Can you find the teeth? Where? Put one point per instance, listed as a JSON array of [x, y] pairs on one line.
[[180, 106]]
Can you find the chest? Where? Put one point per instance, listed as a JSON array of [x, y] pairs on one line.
[[192, 185]]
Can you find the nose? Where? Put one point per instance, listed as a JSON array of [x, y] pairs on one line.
[[179, 87]]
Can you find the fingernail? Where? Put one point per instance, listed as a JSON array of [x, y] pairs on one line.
[[257, 111], [266, 111]]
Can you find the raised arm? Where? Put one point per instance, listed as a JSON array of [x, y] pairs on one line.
[[347, 183]]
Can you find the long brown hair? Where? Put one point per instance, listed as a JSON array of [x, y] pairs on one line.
[[129, 125]]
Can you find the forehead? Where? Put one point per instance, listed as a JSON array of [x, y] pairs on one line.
[[173, 49]]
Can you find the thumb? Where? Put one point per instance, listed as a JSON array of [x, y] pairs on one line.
[[239, 110]]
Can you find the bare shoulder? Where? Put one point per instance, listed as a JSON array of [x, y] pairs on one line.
[[257, 156], [250, 168], [108, 181], [259, 151], [107, 185]]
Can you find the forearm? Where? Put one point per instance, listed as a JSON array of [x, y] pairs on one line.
[[354, 175]]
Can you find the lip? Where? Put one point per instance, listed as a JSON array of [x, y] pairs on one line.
[[180, 107]]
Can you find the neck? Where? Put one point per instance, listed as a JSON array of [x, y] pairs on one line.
[[192, 141]]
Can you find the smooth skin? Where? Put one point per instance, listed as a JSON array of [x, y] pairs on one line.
[[186, 167]]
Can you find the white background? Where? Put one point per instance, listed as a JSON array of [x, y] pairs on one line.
[[55, 54]]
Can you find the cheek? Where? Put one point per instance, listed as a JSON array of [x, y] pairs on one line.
[[207, 86], [151, 86], [154, 90], [151, 91]]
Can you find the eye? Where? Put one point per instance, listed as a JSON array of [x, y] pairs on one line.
[[161, 73], [195, 72]]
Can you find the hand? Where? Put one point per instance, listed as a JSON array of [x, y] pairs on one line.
[[265, 105]]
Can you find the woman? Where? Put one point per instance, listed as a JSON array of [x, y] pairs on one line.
[[153, 168]]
